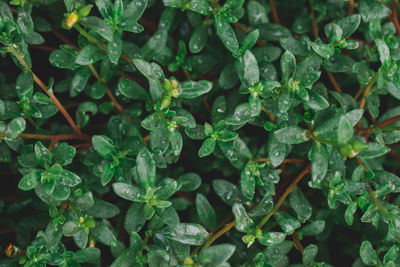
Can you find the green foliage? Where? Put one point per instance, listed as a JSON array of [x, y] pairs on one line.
[[203, 133]]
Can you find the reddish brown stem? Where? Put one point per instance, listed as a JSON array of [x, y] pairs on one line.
[[274, 12], [63, 38], [56, 137], [181, 194], [287, 160], [55, 101], [351, 8], [394, 17], [44, 48], [206, 105], [387, 122], [297, 242], [334, 83]]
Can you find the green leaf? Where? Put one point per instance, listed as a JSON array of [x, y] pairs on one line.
[[374, 150], [345, 130], [207, 148], [383, 50], [15, 127], [226, 34], [190, 181], [291, 135], [104, 7], [167, 187], [62, 59], [24, 86], [107, 173], [216, 255], [127, 191], [102, 209], [193, 89], [168, 215], [349, 24], [249, 41], [243, 223], [24, 20], [134, 10], [187, 233], [309, 254], [99, 26], [319, 158], [241, 115], [276, 150], [87, 255], [89, 54], [79, 81], [393, 90], [103, 234], [81, 239], [316, 101], [146, 168], [148, 70], [200, 6], [287, 223], [257, 13], [104, 146], [132, 89], [114, 48], [271, 238], [70, 228], [82, 118], [42, 154], [118, 9], [206, 212], [247, 184], [134, 219], [228, 192], [368, 254], [349, 213], [198, 39], [251, 73], [324, 50], [288, 66], [300, 204], [30, 181]]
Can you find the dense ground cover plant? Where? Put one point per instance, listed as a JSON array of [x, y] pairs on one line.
[[199, 133]]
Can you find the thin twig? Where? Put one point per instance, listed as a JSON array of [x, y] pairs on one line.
[[314, 23], [334, 83], [274, 12], [297, 242], [229, 226], [306, 170], [351, 8], [394, 17]]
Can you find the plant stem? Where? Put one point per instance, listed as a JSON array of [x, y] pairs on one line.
[[110, 95], [387, 122], [367, 90], [297, 242], [334, 82], [314, 22], [229, 226], [274, 12], [306, 170], [218, 234], [287, 160], [90, 37], [57, 136], [270, 115], [53, 98], [351, 8], [394, 16]]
